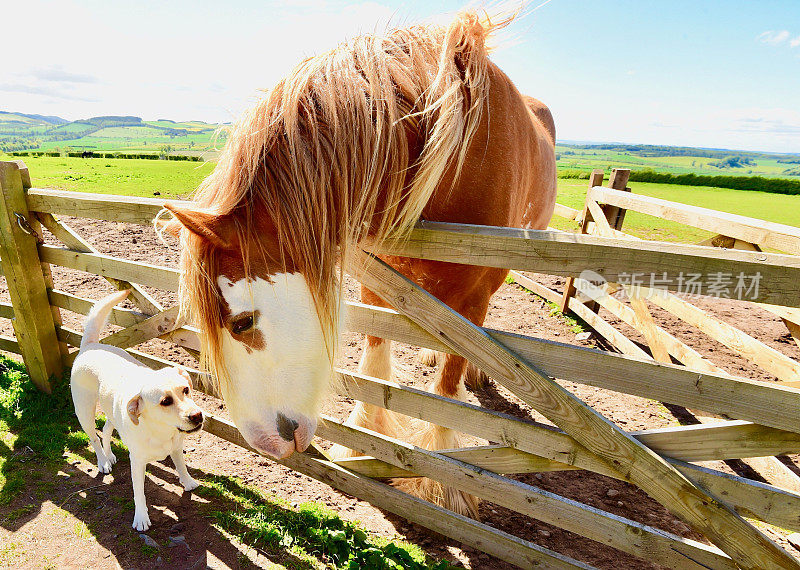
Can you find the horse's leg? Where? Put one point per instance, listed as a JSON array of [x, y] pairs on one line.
[[376, 361], [430, 357], [473, 305]]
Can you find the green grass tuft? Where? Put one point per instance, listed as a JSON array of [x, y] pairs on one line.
[[310, 532], [31, 423]]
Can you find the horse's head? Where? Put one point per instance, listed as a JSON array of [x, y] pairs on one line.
[[262, 336], [349, 147]]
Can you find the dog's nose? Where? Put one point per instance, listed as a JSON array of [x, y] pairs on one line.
[[196, 417], [286, 427]]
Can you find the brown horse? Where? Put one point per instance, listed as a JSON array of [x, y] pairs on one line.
[[355, 144]]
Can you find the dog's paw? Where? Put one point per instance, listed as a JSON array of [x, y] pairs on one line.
[[141, 521], [190, 484], [104, 465], [112, 459]]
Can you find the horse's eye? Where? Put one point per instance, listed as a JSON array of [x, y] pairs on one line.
[[242, 325], [186, 390], [166, 401]]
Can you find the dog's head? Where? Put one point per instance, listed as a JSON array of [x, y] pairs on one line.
[[167, 399]]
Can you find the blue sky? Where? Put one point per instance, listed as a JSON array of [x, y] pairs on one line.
[[714, 73]]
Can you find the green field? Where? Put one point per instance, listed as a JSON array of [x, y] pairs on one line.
[[571, 157], [172, 179], [780, 208], [178, 179]]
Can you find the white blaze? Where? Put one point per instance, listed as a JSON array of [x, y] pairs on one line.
[[291, 373]]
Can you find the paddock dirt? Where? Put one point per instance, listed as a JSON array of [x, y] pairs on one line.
[[82, 522]]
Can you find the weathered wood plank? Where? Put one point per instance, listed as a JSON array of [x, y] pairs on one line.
[[629, 536], [81, 305], [46, 272], [108, 266], [618, 180], [128, 209], [769, 234], [6, 310], [590, 317], [483, 537], [9, 344], [495, 458], [595, 179], [771, 360], [74, 241], [680, 350], [769, 404], [33, 322], [156, 326], [558, 253], [735, 536], [566, 254], [566, 212], [186, 336], [722, 440]]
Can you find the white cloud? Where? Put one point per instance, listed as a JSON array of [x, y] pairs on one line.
[[795, 42], [774, 38]]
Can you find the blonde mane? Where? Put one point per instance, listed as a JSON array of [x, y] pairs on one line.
[[326, 156]]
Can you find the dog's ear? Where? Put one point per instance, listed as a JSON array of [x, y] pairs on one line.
[[183, 372], [135, 408]]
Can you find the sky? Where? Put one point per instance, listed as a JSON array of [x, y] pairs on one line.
[[720, 74]]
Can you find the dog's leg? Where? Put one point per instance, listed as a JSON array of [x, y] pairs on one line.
[[107, 430], [141, 519], [186, 480], [85, 404]]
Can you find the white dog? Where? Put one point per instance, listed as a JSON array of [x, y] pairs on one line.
[[152, 410]]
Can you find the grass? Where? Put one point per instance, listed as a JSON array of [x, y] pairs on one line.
[[571, 157], [172, 179], [310, 532], [179, 179], [778, 208], [31, 423], [42, 429]]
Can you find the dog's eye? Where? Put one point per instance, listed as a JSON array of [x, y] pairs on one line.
[[186, 390], [166, 401], [242, 325]]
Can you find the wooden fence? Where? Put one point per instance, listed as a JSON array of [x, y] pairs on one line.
[[603, 214], [661, 462]]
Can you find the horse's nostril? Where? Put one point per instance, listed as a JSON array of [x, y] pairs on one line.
[[286, 427]]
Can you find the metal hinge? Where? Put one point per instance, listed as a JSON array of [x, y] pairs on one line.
[[25, 226]]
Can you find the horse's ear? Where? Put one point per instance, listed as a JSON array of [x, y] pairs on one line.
[[218, 229]]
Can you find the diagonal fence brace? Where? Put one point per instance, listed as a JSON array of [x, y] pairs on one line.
[[637, 463]]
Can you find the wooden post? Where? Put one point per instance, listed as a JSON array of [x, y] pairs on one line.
[[46, 272], [618, 181], [33, 318], [595, 179], [614, 215]]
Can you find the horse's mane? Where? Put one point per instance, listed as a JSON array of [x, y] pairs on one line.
[[331, 138]]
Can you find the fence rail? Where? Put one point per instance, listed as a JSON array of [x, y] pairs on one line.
[[766, 415]]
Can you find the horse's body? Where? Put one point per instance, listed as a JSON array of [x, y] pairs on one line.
[[503, 176]]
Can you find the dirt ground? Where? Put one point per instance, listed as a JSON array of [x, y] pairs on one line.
[[82, 522]]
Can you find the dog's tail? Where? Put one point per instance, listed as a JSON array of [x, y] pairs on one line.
[[98, 316]]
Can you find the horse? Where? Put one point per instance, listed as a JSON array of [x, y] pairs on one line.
[[355, 145]]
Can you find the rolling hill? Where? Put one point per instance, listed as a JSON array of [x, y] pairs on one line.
[[20, 131]]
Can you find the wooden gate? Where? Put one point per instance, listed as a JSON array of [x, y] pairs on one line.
[[660, 462]]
